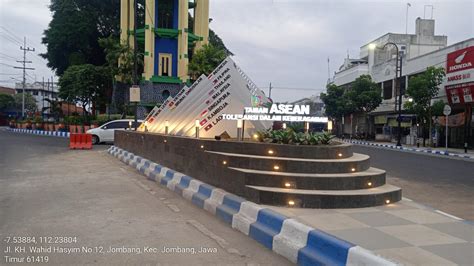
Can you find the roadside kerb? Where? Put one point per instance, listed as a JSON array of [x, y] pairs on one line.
[[409, 149], [295, 241], [40, 132]]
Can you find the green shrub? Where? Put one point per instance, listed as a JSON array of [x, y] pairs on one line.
[[290, 136]]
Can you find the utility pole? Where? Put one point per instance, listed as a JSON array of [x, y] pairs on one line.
[[43, 92], [24, 62], [270, 91]]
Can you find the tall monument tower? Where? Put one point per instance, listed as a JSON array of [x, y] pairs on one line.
[[166, 36]]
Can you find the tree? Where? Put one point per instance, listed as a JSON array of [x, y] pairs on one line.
[[335, 102], [55, 108], [85, 85], [115, 52], [364, 96], [422, 89], [73, 33], [30, 103], [6, 101], [72, 36], [205, 60]]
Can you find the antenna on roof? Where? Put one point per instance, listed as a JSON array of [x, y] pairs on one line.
[[424, 11]]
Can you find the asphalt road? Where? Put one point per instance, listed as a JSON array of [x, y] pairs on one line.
[[110, 214], [442, 183]]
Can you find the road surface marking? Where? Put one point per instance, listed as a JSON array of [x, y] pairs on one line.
[[449, 215], [173, 207]]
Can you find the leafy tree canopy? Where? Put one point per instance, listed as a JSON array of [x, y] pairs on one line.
[[6, 101], [84, 84], [30, 102], [115, 52], [73, 35], [364, 95], [335, 102], [422, 89], [205, 60]]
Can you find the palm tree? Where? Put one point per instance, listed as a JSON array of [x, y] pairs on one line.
[[55, 108]]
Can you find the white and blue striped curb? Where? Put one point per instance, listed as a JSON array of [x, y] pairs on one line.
[[41, 132], [295, 241], [410, 149]]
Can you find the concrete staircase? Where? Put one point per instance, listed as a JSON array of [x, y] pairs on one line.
[[345, 182]]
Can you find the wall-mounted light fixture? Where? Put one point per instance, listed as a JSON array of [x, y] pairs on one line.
[[283, 126]]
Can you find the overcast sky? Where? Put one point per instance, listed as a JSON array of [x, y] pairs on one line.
[[285, 42]]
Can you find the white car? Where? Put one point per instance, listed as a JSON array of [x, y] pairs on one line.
[[105, 133]]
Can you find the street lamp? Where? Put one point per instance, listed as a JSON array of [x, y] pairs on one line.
[[398, 77]]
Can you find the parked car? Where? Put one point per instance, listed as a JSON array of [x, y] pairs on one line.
[[105, 133]]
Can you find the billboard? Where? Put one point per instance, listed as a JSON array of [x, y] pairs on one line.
[[460, 76]]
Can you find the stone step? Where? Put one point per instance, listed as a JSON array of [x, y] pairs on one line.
[[370, 178], [326, 199], [333, 151], [357, 162]]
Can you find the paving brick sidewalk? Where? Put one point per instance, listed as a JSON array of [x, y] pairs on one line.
[[406, 232]]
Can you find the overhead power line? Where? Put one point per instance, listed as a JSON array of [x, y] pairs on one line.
[[8, 38], [18, 39], [8, 65]]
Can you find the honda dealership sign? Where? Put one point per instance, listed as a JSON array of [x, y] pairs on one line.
[[460, 76]]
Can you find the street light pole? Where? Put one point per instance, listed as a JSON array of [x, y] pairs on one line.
[[398, 76]]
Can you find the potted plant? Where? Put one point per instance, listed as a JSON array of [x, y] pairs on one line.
[[12, 123], [28, 124], [38, 123]]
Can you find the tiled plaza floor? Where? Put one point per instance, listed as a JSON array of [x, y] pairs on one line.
[[406, 232]]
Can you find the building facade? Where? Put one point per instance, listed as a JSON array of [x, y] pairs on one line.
[[168, 40], [418, 51], [41, 91]]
